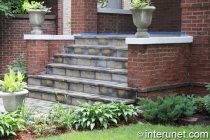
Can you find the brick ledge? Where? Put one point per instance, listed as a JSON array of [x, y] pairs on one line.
[[48, 37], [171, 86], [159, 40], [162, 87]]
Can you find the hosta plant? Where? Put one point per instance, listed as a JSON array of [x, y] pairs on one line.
[[123, 111], [101, 115], [13, 82], [88, 116], [10, 123]]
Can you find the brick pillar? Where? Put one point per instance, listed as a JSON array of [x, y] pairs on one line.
[[40, 52], [158, 69], [195, 22], [37, 56], [84, 16], [60, 18]]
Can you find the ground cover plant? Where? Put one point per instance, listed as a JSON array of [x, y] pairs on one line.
[[168, 109]]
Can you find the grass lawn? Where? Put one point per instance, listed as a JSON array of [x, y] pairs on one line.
[[130, 133]]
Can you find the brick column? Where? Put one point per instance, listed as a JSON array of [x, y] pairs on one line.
[[60, 18], [40, 52], [195, 22], [84, 16], [36, 55], [158, 69]]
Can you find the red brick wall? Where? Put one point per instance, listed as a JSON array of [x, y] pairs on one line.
[[157, 67], [84, 16], [40, 53], [115, 23], [11, 38], [195, 22], [153, 65], [167, 16]]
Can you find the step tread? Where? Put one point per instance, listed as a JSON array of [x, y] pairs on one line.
[[92, 57], [98, 46], [79, 94], [89, 68], [119, 85]]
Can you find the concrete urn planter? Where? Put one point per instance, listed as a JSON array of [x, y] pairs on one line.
[[142, 18], [36, 19], [12, 100]]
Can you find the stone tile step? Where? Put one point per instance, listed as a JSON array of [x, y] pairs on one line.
[[99, 50], [91, 60], [99, 73], [107, 88], [70, 97], [100, 40]]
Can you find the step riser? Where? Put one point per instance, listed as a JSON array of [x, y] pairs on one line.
[[83, 87], [98, 52], [91, 62], [100, 41], [65, 99], [88, 74]]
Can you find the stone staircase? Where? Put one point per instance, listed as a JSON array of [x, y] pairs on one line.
[[94, 69]]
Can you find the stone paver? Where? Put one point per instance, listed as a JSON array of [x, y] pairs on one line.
[[41, 105]]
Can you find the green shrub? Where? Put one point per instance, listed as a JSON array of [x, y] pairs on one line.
[[11, 122], [199, 103], [208, 87], [10, 7], [167, 110], [207, 102], [19, 65], [101, 115]]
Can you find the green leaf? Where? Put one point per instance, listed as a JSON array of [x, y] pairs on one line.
[[100, 119], [114, 120], [77, 126], [92, 125], [105, 124], [88, 123], [84, 119]]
